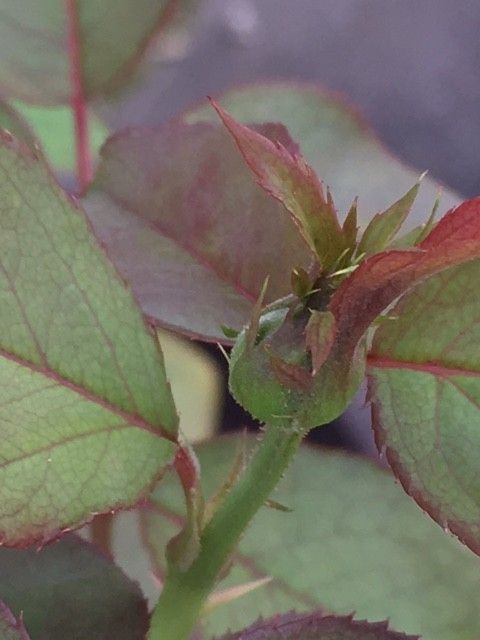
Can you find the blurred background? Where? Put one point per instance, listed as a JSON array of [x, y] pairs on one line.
[[411, 67]]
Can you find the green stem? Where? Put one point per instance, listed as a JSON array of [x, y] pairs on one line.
[[181, 601]]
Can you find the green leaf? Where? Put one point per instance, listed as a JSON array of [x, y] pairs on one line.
[[68, 590], [354, 542], [54, 129], [13, 122], [87, 420], [291, 181], [10, 627], [336, 142], [383, 227], [49, 129], [35, 45], [315, 626], [424, 373], [186, 224]]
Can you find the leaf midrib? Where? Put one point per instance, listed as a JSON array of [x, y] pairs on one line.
[[433, 368], [133, 420]]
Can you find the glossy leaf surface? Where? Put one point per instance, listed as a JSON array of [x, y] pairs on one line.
[[70, 590], [35, 48], [424, 373], [186, 224], [314, 626], [353, 541], [86, 413]]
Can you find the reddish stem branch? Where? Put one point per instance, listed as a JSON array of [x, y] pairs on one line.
[[78, 101]]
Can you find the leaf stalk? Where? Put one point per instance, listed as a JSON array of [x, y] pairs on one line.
[[185, 593]]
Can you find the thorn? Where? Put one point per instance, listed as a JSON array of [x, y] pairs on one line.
[[219, 598], [223, 352], [252, 330], [278, 506]]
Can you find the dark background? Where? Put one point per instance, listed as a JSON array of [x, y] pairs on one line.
[[411, 66]]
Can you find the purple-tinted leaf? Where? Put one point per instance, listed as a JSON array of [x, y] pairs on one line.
[[335, 140], [288, 178], [186, 224], [69, 590], [316, 626]]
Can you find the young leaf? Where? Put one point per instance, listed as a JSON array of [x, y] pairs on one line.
[[10, 627], [383, 227], [354, 541], [319, 337], [289, 179], [424, 377], [385, 276], [36, 46], [336, 142], [70, 590], [87, 420], [315, 626], [185, 222], [350, 225]]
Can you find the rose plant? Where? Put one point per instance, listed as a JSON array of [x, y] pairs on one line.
[[221, 231]]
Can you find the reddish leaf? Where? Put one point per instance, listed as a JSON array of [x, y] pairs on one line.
[[315, 626], [381, 279], [192, 232], [319, 337], [288, 178]]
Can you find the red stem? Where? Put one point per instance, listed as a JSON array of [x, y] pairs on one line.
[[78, 101]]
